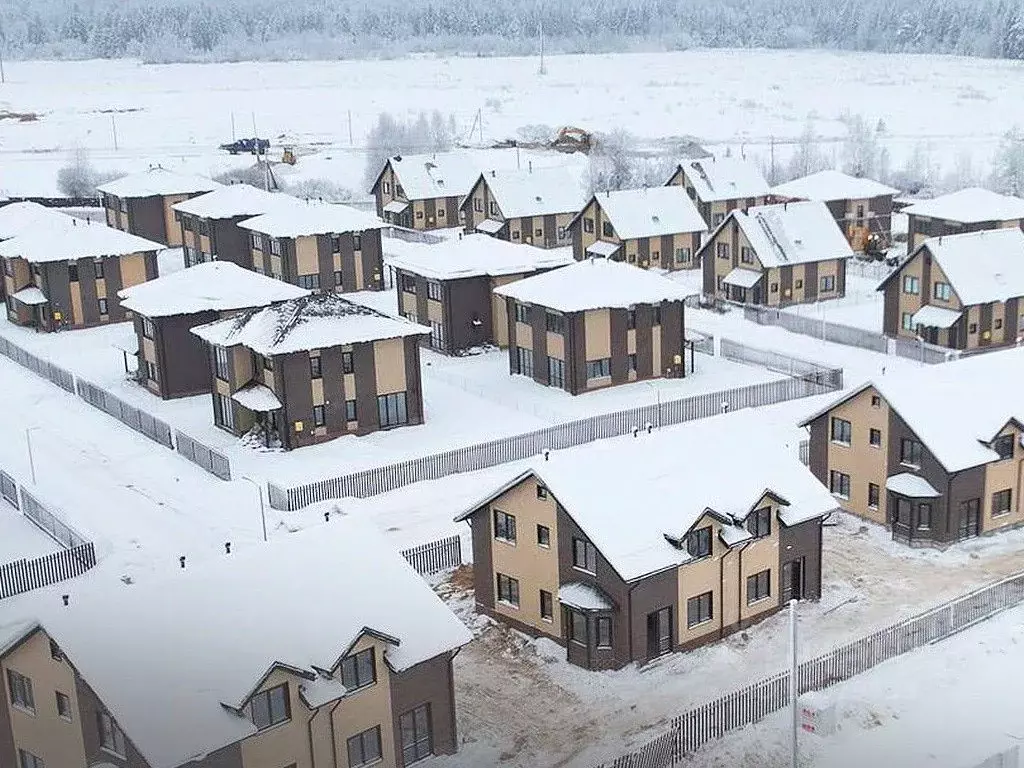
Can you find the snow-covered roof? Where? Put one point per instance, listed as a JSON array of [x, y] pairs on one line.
[[395, 206], [932, 316], [173, 659], [157, 181], [970, 206], [312, 218], [30, 296], [594, 284], [257, 397], [792, 233], [603, 248], [912, 486], [472, 255], [217, 286], [983, 266], [955, 408], [317, 321], [650, 212], [538, 192], [17, 218], [82, 240], [724, 178], [490, 226], [673, 464], [830, 185], [586, 597], [744, 278], [235, 200]]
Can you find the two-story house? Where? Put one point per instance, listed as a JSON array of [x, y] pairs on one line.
[[172, 361], [222, 666], [594, 324], [627, 549], [16, 218], [209, 223], [720, 184], [533, 206], [959, 291], [776, 255], [142, 203], [424, 191], [658, 227], [312, 369], [319, 246], [933, 453], [861, 207], [968, 210], [449, 285], [67, 274]]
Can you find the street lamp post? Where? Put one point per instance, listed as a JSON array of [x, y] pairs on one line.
[[31, 460], [657, 400], [794, 688], [263, 509]]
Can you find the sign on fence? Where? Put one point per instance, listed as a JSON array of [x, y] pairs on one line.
[[212, 461], [25, 575], [436, 556]]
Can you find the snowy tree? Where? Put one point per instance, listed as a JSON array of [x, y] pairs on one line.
[[391, 136], [863, 153], [918, 173], [79, 178], [808, 157], [612, 163], [1008, 166]]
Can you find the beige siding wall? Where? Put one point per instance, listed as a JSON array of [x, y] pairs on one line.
[[556, 345], [724, 266], [366, 709], [598, 331], [133, 270], [307, 261], [173, 227], [1000, 476], [860, 460], [524, 335], [476, 211], [408, 303], [499, 310], [656, 350], [702, 576], [389, 365], [286, 743]]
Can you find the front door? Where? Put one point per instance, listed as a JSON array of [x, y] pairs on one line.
[[793, 580], [659, 632], [970, 519]]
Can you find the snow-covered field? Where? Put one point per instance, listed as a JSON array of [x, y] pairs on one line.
[[741, 99]]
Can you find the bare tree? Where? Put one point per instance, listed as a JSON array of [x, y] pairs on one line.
[[79, 178]]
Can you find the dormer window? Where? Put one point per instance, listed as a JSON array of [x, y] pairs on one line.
[[759, 523], [270, 707], [359, 670], [1004, 447], [698, 542]]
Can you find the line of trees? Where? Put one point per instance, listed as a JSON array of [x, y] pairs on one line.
[[172, 30]]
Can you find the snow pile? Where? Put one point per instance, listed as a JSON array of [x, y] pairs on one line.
[[724, 178], [472, 255], [158, 182], [970, 206], [826, 186], [650, 212], [793, 233]]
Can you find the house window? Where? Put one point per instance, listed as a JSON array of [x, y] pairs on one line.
[[607, 230], [223, 411], [8, 267], [875, 437], [876, 401], [102, 305], [359, 670], [257, 241], [522, 313], [21, 691], [1001, 501], [309, 282], [147, 328], [542, 492], [682, 254], [408, 282], [747, 255], [417, 738], [524, 361], [842, 431], [478, 205], [907, 321], [335, 244], [546, 606], [760, 522], [924, 516], [657, 316], [775, 288], [504, 526], [543, 536], [437, 335], [63, 705], [604, 632], [494, 208], [717, 218], [434, 290], [798, 284], [339, 280], [972, 328], [111, 736], [699, 609], [357, 242], [599, 369], [73, 273], [508, 590], [554, 323], [584, 555], [364, 748], [55, 652], [350, 410], [631, 362], [151, 372], [911, 285], [860, 214], [538, 233], [28, 760], [319, 417], [577, 627], [631, 320], [275, 246], [698, 542], [346, 362], [97, 269], [997, 323], [828, 283], [220, 356], [759, 586], [839, 484], [561, 234], [314, 367], [941, 291], [556, 372], [392, 410], [910, 452], [1004, 447], [874, 493], [722, 249], [588, 225]]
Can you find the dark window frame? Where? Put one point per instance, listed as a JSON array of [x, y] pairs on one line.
[[840, 431], [700, 609], [699, 543], [584, 556], [759, 522], [507, 589], [543, 536], [364, 748], [359, 670], [504, 526], [759, 586]]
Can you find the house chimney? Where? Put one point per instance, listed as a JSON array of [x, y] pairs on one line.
[[227, 547], [181, 562], [65, 599]]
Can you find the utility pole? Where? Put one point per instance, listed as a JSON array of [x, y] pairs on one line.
[[350, 142], [233, 137], [772, 145], [480, 117], [543, 70], [3, 79], [113, 127], [794, 688]]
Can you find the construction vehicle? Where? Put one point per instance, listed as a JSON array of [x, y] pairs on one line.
[[288, 156], [572, 139]]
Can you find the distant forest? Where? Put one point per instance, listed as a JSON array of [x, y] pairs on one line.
[[227, 30]]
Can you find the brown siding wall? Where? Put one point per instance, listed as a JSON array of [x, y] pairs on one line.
[[413, 381], [146, 219], [468, 299], [363, 362], [294, 389], [182, 363], [803, 540], [428, 683], [89, 708]]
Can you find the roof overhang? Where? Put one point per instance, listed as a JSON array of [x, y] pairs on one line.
[[742, 278], [490, 226], [931, 316], [911, 486], [395, 206], [603, 248]]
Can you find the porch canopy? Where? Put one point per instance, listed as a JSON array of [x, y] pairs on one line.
[[257, 397], [490, 226], [742, 278], [30, 296], [603, 249], [911, 486], [584, 597], [935, 317], [395, 206]]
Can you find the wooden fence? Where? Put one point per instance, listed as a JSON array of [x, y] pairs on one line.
[[25, 575], [435, 556]]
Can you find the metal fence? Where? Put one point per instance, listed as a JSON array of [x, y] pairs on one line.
[[25, 575], [435, 556], [50, 522], [140, 421], [780, 363], [212, 461], [712, 720], [819, 328], [805, 452], [928, 354], [9, 490], [59, 376], [370, 482]]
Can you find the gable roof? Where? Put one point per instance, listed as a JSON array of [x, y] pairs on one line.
[[594, 283], [791, 233], [649, 212], [185, 650], [235, 200], [673, 482], [54, 240], [830, 185], [471, 256], [537, 192], [954, 408], [970, 206], [724, 178], [19, 218], [311, 218], [157, 181], [316, 321], [211, 286]]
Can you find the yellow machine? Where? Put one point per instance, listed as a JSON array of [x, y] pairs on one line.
[[288, 156]]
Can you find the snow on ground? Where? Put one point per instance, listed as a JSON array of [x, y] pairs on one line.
[[736, 98], [19, 536], [861, 307]]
